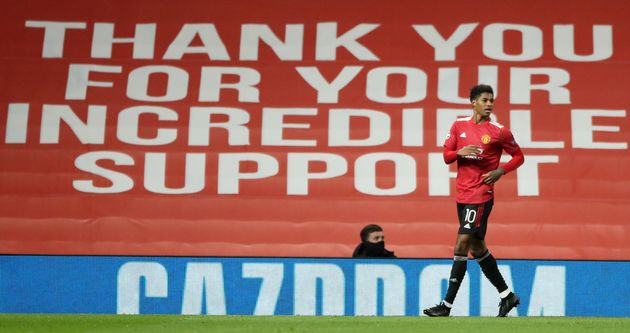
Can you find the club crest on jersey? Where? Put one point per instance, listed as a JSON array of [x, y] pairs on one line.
[[485, 139]]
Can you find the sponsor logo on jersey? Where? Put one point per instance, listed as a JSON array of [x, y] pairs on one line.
[[473, 157]]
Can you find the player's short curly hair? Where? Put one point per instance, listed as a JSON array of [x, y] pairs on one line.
[[480, 89], [368, 229]]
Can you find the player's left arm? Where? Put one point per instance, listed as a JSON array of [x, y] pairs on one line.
[[512, 148]]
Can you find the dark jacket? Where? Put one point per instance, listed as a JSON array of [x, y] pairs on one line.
[[366, 251]]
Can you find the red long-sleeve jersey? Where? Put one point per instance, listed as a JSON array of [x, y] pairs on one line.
[[493, 138]]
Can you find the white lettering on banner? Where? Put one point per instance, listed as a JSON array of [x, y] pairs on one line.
[[155, 174], [291, 49], [273, 125], [230, 174], [564, 43], [143, 41], [128, 125], [377, 85], [521, 85], [582, 128], [272, 276], [176, 83], [90, 128], [79, 79], [90, 132], [298, 175], [17, 123], [54, 35], [88, 162], [130, 275], [494, 37], [328, 92], [413, 127], [431, 281], [201, 122], [527, 183], [367, 278], [213, 46], [440, 175], [210, 86], [204, 279], [327, 41], [212, 83], [377, 82], [236, 125], [376, 89], [339, 127], [404, 174], [444, 48], [332, 281], [521, 126], [448, 83], [548, 296], [320, 289]]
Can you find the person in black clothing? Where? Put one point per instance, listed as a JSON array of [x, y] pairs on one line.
[[372, 244]]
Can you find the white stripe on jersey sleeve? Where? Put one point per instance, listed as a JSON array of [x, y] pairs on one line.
[[496, 124]]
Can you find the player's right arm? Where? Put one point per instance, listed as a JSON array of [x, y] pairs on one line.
[[450, 148]]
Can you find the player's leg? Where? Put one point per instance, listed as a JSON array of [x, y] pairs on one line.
[[458, 271], [489, 266], [460, 263], [490, 269], [488, 263]]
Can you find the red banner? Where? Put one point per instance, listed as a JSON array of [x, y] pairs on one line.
[[275, 128]]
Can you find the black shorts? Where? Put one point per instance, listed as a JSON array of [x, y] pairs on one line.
[[473, 218]]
